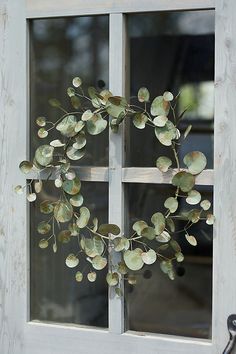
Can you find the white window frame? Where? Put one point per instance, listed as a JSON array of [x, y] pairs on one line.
[[18, 333]]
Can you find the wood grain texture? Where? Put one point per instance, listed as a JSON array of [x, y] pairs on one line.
[[95, 341], [224, 288], [116, 156], [13, 237], [45, 8]]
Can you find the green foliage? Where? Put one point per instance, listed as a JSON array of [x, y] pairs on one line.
[[151, 240]]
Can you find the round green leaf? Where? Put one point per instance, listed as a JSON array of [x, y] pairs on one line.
[[193, 198], [63, 211], [92, 276], [74, 229], [163, 237], [168, 96], [112, 279], [84, 217], [92, 246], [121, 243], [42, 133], [194, 215], [158, 221], [78, 276], [43, 243], [184, 180], [149, 257], [166, 134], [56, 143], [77, 200], [140, 120], [160, 107], [80, 141], [160, 121], [75, 101], [122, 269], [19, 189], [106, 229], [41, 121], [77, 82], [31, 197], [116, 107], [87, 115], [172, 204], [99, 262], [96, 124], [132, 280], [67, 126], [163, 163], [54, 102], [210, 219], [143, 94], [38, 185], [170, 224], [72, 260], [149, 233], [195, 161], [64, 236], [72, 187], [191, 239], [26, 166], [44, 154], [75, 154], [43, 227], [133, 259], [79, 126], [205, 204], [46, 207], [138, 226], [71, 91]]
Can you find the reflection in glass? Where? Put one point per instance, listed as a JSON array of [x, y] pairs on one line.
[[157, 304], [61, 49], [55, 295], [173, 51]]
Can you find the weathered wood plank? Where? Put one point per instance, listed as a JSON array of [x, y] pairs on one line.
[[13, 238], [45, 8], [116, 155], [90, 341], [153, 175], [224, 294], [88, 174]]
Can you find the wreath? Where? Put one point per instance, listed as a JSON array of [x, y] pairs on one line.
[[67, 217]]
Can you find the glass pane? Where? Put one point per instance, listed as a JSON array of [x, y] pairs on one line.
[[61, 49], [173, 51], [55, 295], [156, 303]]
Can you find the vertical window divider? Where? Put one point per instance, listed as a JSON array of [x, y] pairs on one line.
[[117, 68]]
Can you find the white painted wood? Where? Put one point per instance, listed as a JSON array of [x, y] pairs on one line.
[[153, 175], [13, 237], [45, 8], [88, 174], [16, 335], [224, 289], [116, 155], [87, 341]]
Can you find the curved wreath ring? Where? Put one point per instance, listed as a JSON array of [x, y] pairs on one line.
[[68, 217]]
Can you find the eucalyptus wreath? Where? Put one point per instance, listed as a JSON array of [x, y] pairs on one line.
[[69, 218]]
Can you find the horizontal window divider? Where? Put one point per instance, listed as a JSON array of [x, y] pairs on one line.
[[153, 175], [85, 173], [45, 8]]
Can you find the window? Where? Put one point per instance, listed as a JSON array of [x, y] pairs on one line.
[[34, 292]]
